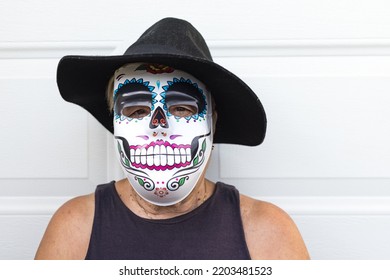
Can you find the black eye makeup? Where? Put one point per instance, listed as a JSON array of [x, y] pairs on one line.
[[184, 100], [135, 104], [133, 101], [181, 104]]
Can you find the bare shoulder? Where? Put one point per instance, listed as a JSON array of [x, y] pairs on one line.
[[68, 233], [270, 232]]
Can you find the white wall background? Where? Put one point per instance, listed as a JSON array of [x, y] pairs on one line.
[[321, 69]]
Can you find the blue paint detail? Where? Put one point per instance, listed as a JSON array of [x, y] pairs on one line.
[[182, 80], [166, 87]]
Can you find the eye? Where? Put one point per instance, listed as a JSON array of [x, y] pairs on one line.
[[136, 112], [183, 111]]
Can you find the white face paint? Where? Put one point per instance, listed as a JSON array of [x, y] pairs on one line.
[[163, 130]]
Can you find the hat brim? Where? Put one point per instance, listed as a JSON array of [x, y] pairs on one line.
[[241, 118]]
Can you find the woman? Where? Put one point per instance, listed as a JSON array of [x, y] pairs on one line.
[[168, 103]]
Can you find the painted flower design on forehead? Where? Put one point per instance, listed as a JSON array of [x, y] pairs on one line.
[[163, 130]]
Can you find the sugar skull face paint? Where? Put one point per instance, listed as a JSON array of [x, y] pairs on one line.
[[163, 130]]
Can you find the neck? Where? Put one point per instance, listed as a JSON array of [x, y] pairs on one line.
[[145, 209]]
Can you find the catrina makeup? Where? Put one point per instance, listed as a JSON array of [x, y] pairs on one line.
[[162, 129]]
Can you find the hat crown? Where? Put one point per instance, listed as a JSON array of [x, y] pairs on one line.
[[171, 36]]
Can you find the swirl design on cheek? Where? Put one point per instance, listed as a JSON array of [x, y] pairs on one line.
[[145, 182], [181, 176], [173, 185], [140, 176]]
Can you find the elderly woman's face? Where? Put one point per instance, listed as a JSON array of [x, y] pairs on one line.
[[163, 130]]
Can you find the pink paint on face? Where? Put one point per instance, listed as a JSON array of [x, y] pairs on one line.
[[145, 137], [172, 137]]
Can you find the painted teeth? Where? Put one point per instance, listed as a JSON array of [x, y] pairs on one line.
[[170, 157], [160, 155], [143, 156], [149, 158], [177, 155], [163, 159], [137, 156]]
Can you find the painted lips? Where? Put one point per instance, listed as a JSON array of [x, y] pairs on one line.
[[160, 155]]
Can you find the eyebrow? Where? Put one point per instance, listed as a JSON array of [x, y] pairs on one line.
[[185, 92], [119, 77], [131, 87], [137, 95], [181, 96], [132, 97]]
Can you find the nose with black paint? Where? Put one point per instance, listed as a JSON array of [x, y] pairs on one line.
[[158, 119]]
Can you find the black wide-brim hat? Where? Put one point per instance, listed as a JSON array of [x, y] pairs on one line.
[[173, 42]]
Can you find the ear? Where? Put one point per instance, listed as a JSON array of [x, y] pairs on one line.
[[109, 94], [215, 117], [215, 114]]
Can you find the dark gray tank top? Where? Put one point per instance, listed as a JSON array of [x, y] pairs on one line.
[[212, 231]]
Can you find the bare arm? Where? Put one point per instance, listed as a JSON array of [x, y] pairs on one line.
[[68, 233], [270, 232]]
